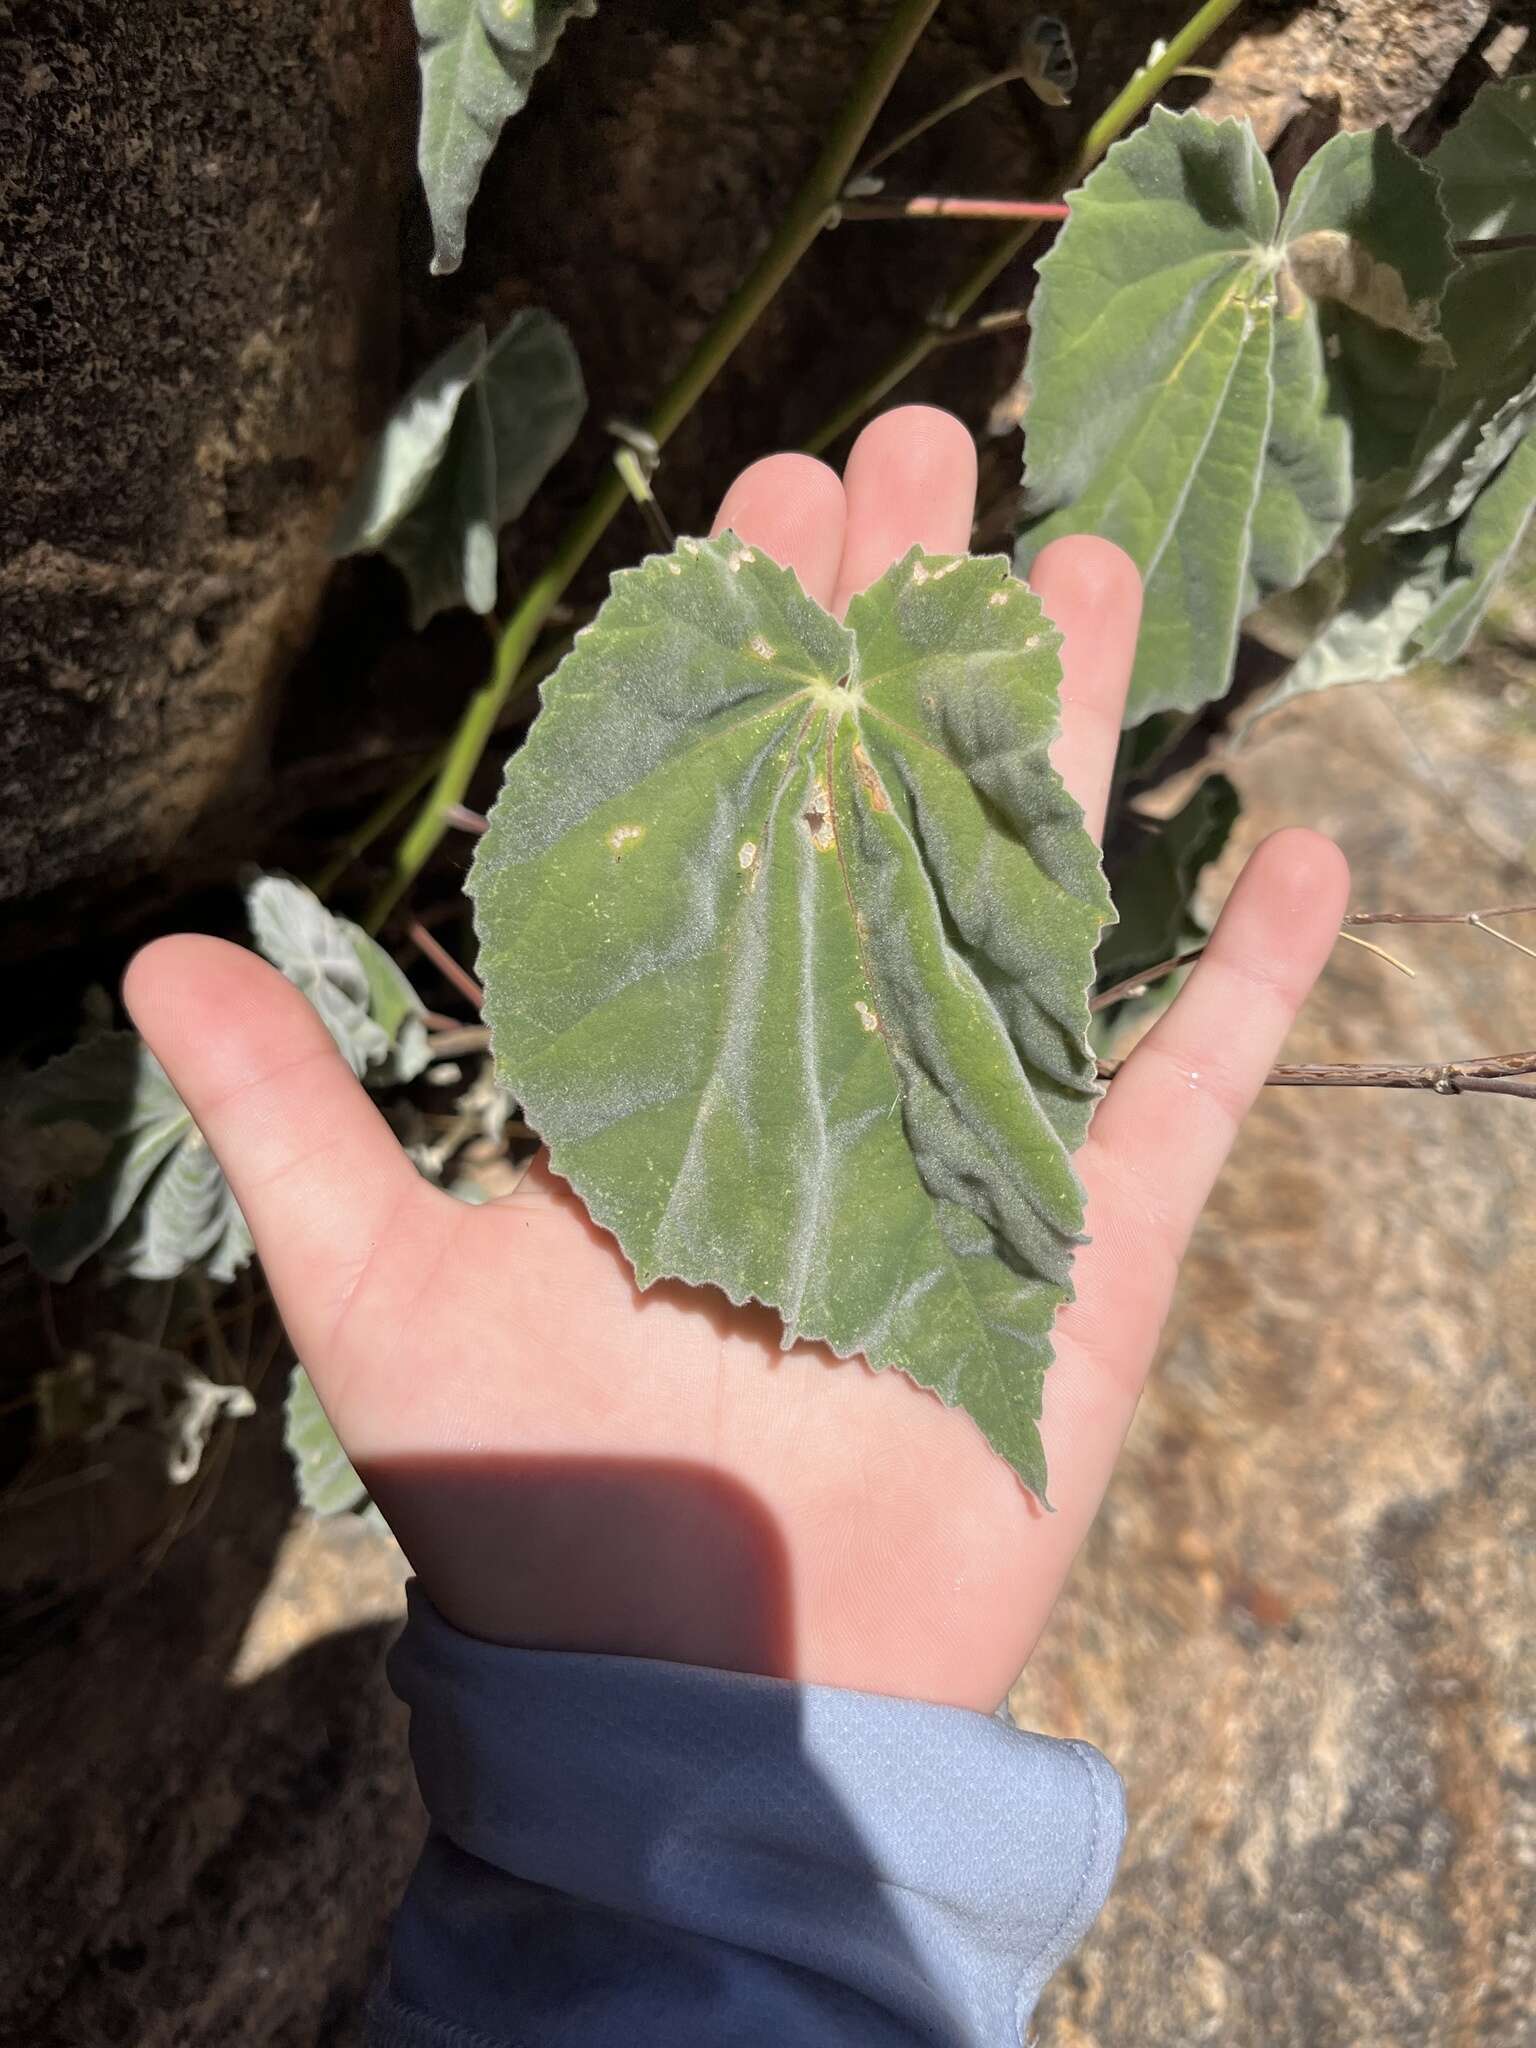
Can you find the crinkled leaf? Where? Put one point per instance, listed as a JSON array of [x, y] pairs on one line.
[[324, 1476], [99, 1153], [1474, 413], [362, 998], [786, 933], [1154, 886], [1206, 375], [1415, 597], [478, 60], [314, 949], [394, 1006], [460, 457]]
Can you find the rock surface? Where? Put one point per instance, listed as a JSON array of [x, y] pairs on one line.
[[1302, 1625], [198, 225]]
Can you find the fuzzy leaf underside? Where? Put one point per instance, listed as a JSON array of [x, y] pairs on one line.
[[1205, 374], [786, 934], [98, 1153], [478, 60], [326, 1481], [460, 457]]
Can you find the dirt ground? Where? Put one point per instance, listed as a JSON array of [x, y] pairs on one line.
[[1301, 1627]]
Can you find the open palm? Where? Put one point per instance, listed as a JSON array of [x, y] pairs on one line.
[[569, 1463]]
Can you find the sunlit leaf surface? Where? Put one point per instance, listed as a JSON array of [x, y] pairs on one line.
[[787, 929]]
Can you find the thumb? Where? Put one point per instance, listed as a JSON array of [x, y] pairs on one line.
[[316, 1170]]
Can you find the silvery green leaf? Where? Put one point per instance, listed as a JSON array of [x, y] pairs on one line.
[[314, 949], [394, 1006], [1206, 374], [409, 450], [360, 995], [99, 1153], [787, 928], [535, 399], [1415, 597], [1475, 412], [461, 456], [478, 60], [322, 1472]]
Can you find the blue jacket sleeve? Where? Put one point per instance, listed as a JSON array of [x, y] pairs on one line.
[[624, 1852]]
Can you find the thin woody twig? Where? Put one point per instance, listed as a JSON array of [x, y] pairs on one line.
[[984, 328], [1138, 984], [1512, 1073], [1440, 916], [1381, 954], [1493, 245], [444, 962]]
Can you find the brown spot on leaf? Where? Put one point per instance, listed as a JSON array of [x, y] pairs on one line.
[[817, 818], [869, 780], [1327, 264]]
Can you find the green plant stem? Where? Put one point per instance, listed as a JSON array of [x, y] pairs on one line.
[[965, 98], [804, 221], [1142, 89], [379, 819]]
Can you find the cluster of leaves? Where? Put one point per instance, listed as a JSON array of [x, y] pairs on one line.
[[1317, 420], [100, 1157], [788, 927]]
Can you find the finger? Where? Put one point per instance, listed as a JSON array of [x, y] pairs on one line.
[[790, 506], [910, 482], [1162, 1134], [319, 1176], [1091, 592]]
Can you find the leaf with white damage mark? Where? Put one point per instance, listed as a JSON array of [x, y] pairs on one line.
[[478, 61], [1207, 374], [787, 929]]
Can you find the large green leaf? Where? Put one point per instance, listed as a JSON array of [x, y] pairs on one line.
[[99, 1153], [1208, 378], [478, 60], [786, 933], [1475, 412], [460, 457]]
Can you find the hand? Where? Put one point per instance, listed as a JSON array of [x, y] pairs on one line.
[[571, 1464]]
